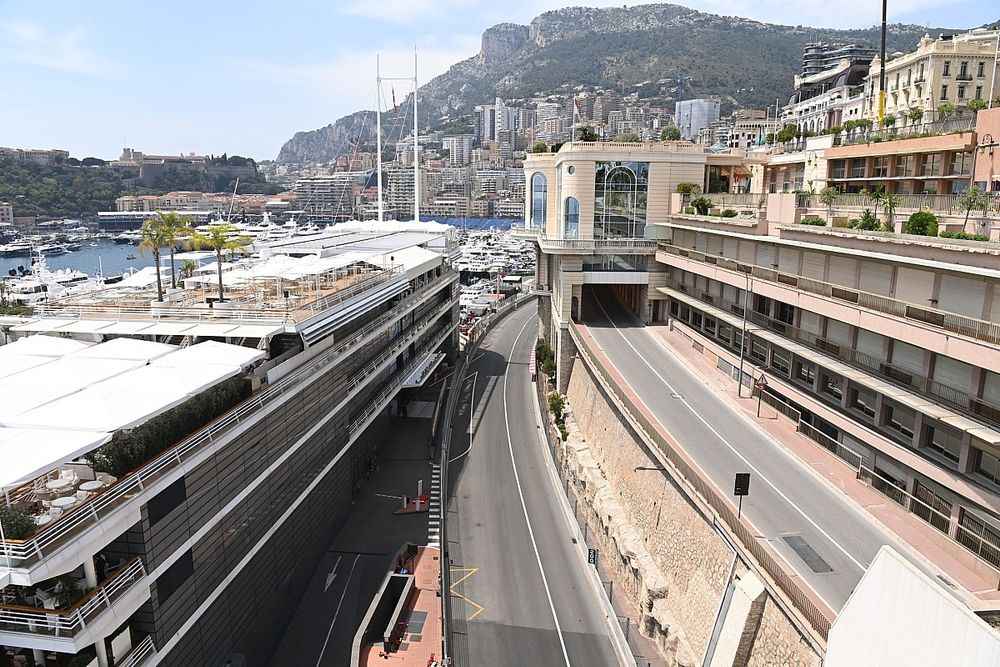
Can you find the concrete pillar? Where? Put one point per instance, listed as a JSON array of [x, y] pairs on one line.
[[740, 621], [90, 572], [38, 656], [102, 653]]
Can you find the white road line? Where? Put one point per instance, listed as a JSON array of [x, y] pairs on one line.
[[337, 612], [524, 508], [725, 442]]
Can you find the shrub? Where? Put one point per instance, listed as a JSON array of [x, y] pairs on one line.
[[689, 188], [866, 223], [814, 221], [701, 205], [976, 104], [129, 449], [556, 404], [729, 213], [540, 147], [922, 223], [546, 357], [965, 236], [17, 524], [563, 432]]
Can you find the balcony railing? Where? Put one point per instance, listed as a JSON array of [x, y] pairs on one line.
[[942, 204], [599, 244], [960, 324], [139, 653], [68, 622], [949, 126], [24, 553]]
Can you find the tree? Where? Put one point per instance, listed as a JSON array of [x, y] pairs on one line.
[[539, 147], [188, 267], [154, 236], [973, 199], [876, 196], [701, 205], [890, 202], [689, 188], [888, 120], [828, 196], [670, 133], [176, 228], [922, 223], [628, 138], [946, 109], [915, 115], [220, 239], [976, 104], [586, 133]]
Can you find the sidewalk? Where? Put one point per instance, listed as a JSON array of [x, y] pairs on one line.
[[421, 644], [941, 553]]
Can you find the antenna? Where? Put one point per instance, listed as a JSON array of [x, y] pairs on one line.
[[378, 130], [416, 145]]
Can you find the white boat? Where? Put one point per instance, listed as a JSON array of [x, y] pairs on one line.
[[52, 249], [41, 283]]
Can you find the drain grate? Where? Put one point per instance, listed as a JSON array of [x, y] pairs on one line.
[[807, 553]]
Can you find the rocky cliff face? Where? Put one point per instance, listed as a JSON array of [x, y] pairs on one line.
[[673, 51]]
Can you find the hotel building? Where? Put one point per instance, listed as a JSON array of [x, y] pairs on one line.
[[172, 473]]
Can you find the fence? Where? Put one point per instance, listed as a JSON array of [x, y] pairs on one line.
[[936, 128], [23, 553], [68, 622], [139, 653], [818, 619]]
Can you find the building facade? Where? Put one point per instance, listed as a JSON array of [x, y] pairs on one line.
[[692, 115]]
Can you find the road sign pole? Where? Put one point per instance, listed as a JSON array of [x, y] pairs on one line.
[[739, 509]]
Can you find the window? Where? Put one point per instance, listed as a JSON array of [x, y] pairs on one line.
[[961, 92], [571, 226], [944, 441], [979, 92], [762, 304], [620, 190], [858, 168], [931, 165], [781, 360], [880, 166], [725, 333], [166, 501], [900, 419], [863, 400], [963, 69], [987, 466], [758, 350], [174, 576], [786, 313], [947, 68], [981, 71], [539, 199], [944, 92], [832, 386], [961, 164], [839, 169], [805, 372], [904, 165]]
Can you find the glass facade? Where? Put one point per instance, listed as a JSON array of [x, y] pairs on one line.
[[620, 192], [571, 223], [539, 196], [614, 262]]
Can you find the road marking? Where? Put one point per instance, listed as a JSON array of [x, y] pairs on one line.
[[724, 441], [524, 508], [333, 575], [469, 572], [472, 414], [337, 612]]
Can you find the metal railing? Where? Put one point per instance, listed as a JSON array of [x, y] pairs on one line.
[[960, 324], [24, 553], [744, 200], [139, 653], [790, 586], [936, 128], [831, 444], [68, 622], [942, 204], [599, 244]]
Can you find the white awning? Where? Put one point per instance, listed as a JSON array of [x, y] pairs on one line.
[[84, 326], [415, 260], [44, 346], [167, 328], [16, 363], [211, 353], [142, 278], [43, 324], [28, 453], [126, 348]]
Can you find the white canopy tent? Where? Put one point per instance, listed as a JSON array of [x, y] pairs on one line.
[[126, 348], [29, 453], [43, 346]]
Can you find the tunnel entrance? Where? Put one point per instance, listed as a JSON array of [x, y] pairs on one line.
[[622, 304]]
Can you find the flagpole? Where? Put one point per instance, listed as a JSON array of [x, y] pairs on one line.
[[416, 145], [378, 132]]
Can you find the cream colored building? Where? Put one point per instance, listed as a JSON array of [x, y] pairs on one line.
[[954, 69]]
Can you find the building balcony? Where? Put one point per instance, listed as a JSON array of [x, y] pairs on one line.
[[139, 654], [70, 630], [964, 77], [632, 246]]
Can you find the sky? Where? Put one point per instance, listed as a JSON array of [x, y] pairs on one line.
[[241, 78]]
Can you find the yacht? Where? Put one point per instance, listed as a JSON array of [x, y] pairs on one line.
[[42, 283], [52, 249]]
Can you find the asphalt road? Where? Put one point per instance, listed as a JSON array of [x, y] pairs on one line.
[[521, 596], [786, 500]]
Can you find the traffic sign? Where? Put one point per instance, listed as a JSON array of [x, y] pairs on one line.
[[592, 556], [742, 484]]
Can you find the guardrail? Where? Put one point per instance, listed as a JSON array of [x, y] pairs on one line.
[[598, 244], [24, 553], [810, 611], [68, 622], [960, 324], [139, 653]]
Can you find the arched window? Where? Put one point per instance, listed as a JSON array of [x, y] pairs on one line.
[[539, 198], [571, 225]]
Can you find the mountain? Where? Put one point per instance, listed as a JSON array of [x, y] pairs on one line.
[[664, 51]]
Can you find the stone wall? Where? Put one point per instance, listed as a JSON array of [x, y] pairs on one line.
[[666, 555]]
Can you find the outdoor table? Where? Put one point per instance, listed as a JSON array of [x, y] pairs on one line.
[[93, 485], [60, 484], [43, 519], [64, 503]]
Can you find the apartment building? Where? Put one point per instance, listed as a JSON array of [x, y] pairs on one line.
[[6, 213], [172, 482], [692, 115], [820, 56], [952, 68], [330, 195], [883, 349], [827, 98], [459, 147]]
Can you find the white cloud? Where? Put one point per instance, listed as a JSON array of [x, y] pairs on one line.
[[64, 51]]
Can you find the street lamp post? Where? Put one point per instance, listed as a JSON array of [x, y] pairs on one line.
[[659, 506], [743, 336]]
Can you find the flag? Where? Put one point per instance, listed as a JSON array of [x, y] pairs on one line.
[[576, 109], [395, 109]]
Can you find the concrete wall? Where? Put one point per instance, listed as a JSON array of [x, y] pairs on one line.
[[666, 555]]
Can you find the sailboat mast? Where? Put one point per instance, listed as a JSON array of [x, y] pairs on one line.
[[378, 132], [416, 146]]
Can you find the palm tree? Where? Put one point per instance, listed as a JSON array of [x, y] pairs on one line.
[[219, 238], [890, 202], [154, 236], [188, 267], [877, 196], [176, 228]]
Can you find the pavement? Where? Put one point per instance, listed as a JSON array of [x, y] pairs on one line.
[[356, 562], [820, 533], [521, 595]]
